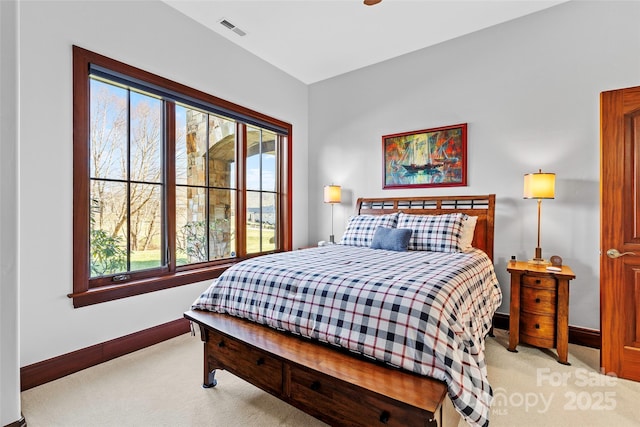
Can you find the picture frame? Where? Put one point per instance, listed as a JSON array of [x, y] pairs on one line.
[[435, 157]]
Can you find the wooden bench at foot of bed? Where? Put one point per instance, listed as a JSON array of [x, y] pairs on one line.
[[336, 387]]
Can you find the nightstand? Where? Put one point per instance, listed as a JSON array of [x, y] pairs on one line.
[[539, 312]]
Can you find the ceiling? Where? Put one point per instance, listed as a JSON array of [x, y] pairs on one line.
[[313, 40]]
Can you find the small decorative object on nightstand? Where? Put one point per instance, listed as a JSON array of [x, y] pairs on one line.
[[539, 313]]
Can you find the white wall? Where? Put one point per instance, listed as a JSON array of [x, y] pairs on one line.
[[156, 38], [9, 298], [529, 91]]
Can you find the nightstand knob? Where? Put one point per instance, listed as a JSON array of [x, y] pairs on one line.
[[538, 300], [537, 326], [537, 281]]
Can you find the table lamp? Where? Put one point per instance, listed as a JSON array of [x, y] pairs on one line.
[[332, 195], [539, 186]]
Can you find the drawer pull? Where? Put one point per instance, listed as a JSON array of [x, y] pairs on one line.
[[384, 417], [537, 326], [221, 344], [538, 300], [315, 386], [537, 281], [260, 361]]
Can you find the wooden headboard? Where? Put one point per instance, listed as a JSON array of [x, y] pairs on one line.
[[481, 206]]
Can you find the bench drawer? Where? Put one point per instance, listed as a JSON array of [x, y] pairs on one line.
[[342, 404], [258, 367]]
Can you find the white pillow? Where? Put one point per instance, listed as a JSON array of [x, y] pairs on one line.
[[468, 228]]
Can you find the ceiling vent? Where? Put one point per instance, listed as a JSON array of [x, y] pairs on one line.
[[232, 27]]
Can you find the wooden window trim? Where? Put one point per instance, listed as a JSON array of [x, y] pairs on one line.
[[83, 294]]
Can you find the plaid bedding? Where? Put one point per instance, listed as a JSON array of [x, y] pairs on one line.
[[426, 312]]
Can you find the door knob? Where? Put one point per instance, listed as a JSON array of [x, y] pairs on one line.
[[614, 253]]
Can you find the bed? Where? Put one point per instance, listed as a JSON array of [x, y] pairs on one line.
[[360, 336]]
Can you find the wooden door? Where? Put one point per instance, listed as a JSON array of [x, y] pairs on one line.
[[620, 232]]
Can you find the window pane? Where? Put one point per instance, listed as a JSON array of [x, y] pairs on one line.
[[146, 226], [181, 145], [261, 221], [261, 159], [268, 224], [108, 128], [195, 147], [222, 243], [268, 163], [253, 222], [253, 173], [146, 140], [108, 228], [254, 178], [191, 225], [222, 152]]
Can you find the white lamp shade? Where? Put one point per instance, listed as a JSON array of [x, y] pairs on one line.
[[539, 185], [332, 193]]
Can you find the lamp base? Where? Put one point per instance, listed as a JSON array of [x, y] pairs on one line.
[[536, 261]]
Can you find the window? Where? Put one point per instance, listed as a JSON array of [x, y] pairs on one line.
[[171, 185]]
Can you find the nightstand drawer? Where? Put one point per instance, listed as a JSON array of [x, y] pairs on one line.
[[539, 281], [538, 330], [536, 300]]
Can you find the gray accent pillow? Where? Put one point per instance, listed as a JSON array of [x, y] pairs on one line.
[[392, 239]]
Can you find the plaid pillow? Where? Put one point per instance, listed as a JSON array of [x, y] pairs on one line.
[[361, 228], [436, 233]]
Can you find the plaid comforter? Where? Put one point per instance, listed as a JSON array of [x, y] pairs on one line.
[[426, 312]]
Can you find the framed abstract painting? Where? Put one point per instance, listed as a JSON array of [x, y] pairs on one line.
[[425, 158]]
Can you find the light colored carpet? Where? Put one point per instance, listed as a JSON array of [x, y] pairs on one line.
[[160, 386], [532, 389]]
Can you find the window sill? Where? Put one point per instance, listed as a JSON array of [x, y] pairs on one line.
[[138, 287]]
